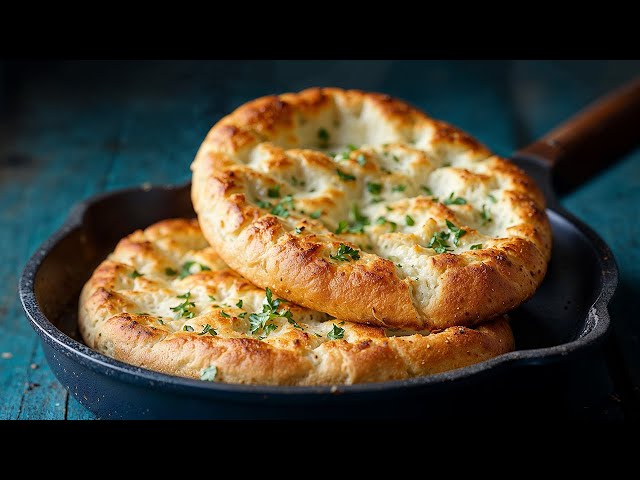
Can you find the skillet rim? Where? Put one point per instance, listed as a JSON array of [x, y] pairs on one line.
[[598, 316]]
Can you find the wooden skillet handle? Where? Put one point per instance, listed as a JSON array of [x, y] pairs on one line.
[[592, 139]]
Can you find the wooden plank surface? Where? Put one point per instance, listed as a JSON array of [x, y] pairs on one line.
[[73, 129]]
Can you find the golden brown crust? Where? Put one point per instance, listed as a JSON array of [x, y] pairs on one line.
[[260, 181], [128, 311]]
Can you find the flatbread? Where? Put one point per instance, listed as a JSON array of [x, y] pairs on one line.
[[359, 205], [165, 301]]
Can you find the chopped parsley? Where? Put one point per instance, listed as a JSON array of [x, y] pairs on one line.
[[374, 188], [187, 268], [299, 230], [224, 314], [212, 298], [344, 252], [242, 315], [485, 215], [439, 242], [383, 221], [315, 214], [395, 159], [135, 274], [399, 188], [260, 321], [410, 221], [492, 198], [184, 309], [477, 246], [344, 155], [209, 374], [457, 232], [426, 190], [323, 137], [455, 201], [345, 177], [282, 208], [208, 329], [239, 304], [336, 333], [274, 192], [170, 272], [342, 226], [187, 328], [357, 224]]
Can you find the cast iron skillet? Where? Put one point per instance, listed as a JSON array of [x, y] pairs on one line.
[[568, 315]]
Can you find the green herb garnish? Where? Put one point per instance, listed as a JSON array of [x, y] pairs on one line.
[[184, 309], [439, 242], [426, 190], [185, 271], [323, 137], [455, 201], [492, 198], [299, 230], [374, 188], [239, 304], [345, 251], [135, 274], [316, 214], [336, 333], [457, 232], [282, 208], [345, 177], [170, 272], [187, 328], [208, 329], [399, 188], [383, 220], [274, 192], [224, 314], [260, 321], [410, 221], [357, 224], [477, 246], [485, 215]]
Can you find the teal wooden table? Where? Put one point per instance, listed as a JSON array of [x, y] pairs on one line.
[[69, 130]]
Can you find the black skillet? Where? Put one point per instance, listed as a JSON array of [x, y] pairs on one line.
[[555, 330]]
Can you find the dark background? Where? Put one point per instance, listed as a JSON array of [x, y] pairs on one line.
[[71, 129]]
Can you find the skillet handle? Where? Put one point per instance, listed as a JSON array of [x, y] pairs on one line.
[[592, 139]]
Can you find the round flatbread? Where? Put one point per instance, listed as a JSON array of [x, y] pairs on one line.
[[359, 205], [164, 300]]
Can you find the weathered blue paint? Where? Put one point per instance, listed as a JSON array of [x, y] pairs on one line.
[[74, 130]]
